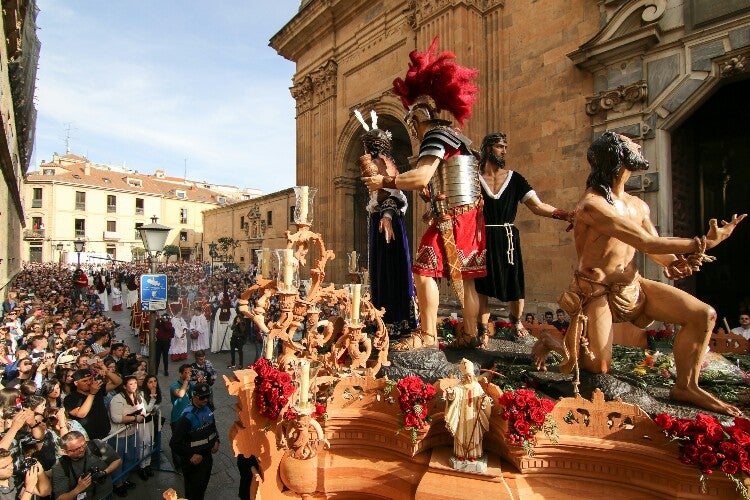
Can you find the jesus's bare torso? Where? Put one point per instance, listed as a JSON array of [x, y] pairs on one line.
[[600, 256]]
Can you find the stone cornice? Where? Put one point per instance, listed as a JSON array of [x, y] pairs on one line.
[[423, 10], [309, 18], [315, 19], [620, 99], [617, 39]]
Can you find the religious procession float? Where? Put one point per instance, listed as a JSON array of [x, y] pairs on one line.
[[334, 410], [331, 412]]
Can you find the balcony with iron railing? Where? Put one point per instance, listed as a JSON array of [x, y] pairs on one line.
[[80, 233], [33, 234], [111, 209], [138, 210], [36, 203], [80, 205]]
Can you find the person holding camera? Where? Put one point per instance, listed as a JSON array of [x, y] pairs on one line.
[[35, 481], [195, 440], [86, 403], [27, 370], [85, 469]]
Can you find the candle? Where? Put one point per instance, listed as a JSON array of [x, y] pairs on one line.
[[265, 263], [356, 291], [303, 196], [353, 262], [269, 347], [304, 382], [287, 264]]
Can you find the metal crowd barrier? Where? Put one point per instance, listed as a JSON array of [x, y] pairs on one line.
[[146, 449]]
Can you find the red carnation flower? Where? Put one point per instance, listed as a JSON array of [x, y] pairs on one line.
[[708, 459], [548, 405], [730, 467], [537, 415], [522, 427]]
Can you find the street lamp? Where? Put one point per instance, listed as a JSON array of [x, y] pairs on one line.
[[79, 246], [154, 237], [59, 248]]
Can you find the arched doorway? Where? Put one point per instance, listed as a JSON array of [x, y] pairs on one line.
[[711, 179], [401, 153]]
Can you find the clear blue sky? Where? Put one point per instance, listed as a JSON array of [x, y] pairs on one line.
[[152, 84]]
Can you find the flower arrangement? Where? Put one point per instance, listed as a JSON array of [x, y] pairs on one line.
[[660, 334], [504, 330], [273, 388], [659, 338], [705, 442], [527, 415], [414, 397], [656, 363], [448, 328]]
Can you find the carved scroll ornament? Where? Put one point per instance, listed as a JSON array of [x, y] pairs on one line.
[[620, 99]]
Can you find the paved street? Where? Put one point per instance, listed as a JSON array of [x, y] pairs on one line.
[[225, 477]]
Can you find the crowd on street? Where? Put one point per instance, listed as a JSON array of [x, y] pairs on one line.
[[82, 415]]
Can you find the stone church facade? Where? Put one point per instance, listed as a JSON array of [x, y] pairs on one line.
[[672, 74]]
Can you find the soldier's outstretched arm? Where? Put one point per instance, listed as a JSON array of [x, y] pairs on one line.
[[408, 181]]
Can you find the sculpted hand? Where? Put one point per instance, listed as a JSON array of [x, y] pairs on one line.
[[561, 214], [717, 234], [170, 494], [373, 183], [678, 269], [386, 228]]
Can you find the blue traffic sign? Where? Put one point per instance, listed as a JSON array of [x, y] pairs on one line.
[[153, 287]]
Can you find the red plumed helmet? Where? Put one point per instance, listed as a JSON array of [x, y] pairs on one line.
[[439, 77]]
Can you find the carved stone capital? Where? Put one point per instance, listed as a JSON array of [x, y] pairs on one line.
[[734, 66], [315, 87], [324, 80], [303, 94], [620, 99]]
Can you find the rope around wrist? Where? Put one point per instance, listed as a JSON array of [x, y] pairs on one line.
[[699, 257], [389, 181]]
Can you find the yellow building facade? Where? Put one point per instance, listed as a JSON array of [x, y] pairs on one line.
[[259, 223], [71, 198]]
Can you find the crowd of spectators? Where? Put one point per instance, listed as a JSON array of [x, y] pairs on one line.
[[79, 409]]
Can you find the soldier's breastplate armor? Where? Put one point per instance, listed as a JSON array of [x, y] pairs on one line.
[[457, 178]]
